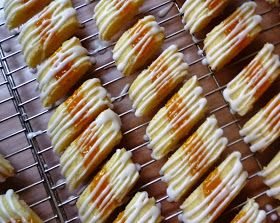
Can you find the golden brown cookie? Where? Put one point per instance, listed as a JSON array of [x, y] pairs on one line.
[[173, 121], [216, 192], [199, 13], [12, 209], [154, 84], [42, 35], [84, 154], [231, 36], [251, 83], [264, 127], [18, 12], [188, 164], [111, 16], [138, 45], [59, 73], [108, 188]]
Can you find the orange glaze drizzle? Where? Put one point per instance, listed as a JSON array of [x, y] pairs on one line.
[[105, 183], [190, 147], [138, 27], [29, 220], [127, 9], [164, 88], [213, 4], [251, 71], [230, 26], [211, 182], [209, 185], [242, 43], [238, 217], [73, 106], [87, 144], [98, 194], [120, 218], [174, 106], [276, 121], [44, 24], [64, 70]]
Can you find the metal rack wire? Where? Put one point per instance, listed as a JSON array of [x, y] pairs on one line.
[[59, 213]]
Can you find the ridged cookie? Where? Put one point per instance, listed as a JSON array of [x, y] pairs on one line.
[[76, 113], [14, 210], [6, 169], [138, 45], [18, 12], [271, 175], [111, 16], [108, 188], [42, 35], [84, 154], [173, 121], [231, 36], [264, 127], [251, 83], [199, 13], [216, 192], [140, 209], [188, 164], [250, 213], [154, 84], [59, 73]]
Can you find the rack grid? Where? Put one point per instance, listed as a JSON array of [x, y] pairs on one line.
[[24, 141]]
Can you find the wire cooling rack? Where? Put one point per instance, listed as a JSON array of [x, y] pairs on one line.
[[23, 121]]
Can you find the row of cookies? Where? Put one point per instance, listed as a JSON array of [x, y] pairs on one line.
[[205, 204], [114, 181], [129, 56]]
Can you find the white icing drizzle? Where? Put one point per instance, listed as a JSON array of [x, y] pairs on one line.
[[246, 21], [59, 11], [71, 52], [122, 94], [141, 209], [91, 98], [198, 12], [211, 205], [189, 104], [198, 153], [150, 87], [99, 46], [12, 209], [247, 86], [6, 169], [163, 12], [13, 7], [250, 213], [122, 174], [143, 31], [271, 175], [98, 132], [274, 217], [32, 135], [261, 130], [106, 12]]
